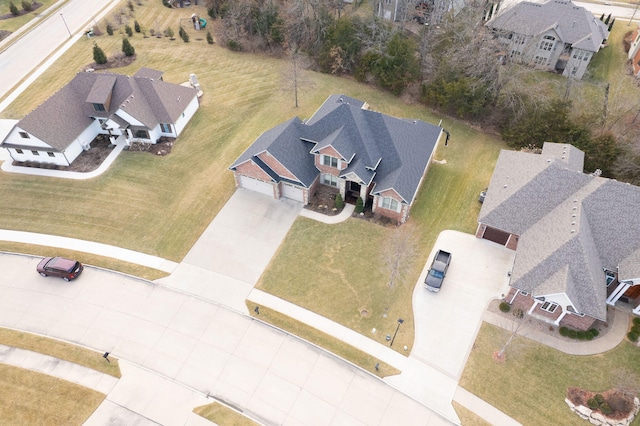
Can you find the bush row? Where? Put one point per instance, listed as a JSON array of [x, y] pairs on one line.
[[578, 334]]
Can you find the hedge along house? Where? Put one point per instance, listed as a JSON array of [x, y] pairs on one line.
[[576, 235], [141, 108], [344, 145]]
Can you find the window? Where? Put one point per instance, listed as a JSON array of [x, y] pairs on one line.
[[24, 135], [35, 152], [548, 37], [390, 203], [549, 307], [540, 60], [141, 134], [330, 161], [329, 179], [50, 154], [19, 151], [166, 128], [546, 45], [98, 108]]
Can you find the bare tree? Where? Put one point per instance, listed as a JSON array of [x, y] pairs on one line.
[[513, 326], [399, 253], [293, 77]]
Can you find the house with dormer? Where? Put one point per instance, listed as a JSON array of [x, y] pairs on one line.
[[576, 235], [554, 36], [344, 145], [140, 108]]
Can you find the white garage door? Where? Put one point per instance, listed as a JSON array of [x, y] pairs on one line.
[[292, 192], [256, 185]]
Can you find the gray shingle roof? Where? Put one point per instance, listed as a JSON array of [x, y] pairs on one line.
[[67, 113], [573, 24], [392, 152], [570, 226]]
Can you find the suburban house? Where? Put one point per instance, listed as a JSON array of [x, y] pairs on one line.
[[140, 108], [576, 235], [346, 146], [423, 11], [634, 52], [553, 36]]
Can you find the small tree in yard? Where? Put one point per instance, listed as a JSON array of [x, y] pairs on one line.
[[209, 37], [14, 9], [136, 26], [184, 35], [98, 55], [399, 253], [169, 33], [127, 48], [26, 5], [109, 28], [339, 202], [359, 205], [128, 30]]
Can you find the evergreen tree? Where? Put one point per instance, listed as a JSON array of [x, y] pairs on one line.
[[14, 9], [128, 30], [127, 48], [98, 55], [136, 26], [209, 37]]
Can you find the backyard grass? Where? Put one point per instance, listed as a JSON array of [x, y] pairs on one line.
[[323, 340], [31, 398], [467, 417], [222, 415], [14, 23], [531, 384], [59, 349], [133, 269]]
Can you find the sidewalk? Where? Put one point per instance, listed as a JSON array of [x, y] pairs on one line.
[[610, 340], [344, 215], [89, 247]]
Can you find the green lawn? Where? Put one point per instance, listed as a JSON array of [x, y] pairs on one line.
[[531, 384], [14, 23], [222, 415]]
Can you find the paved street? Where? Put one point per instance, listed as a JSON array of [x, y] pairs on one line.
[[31, 49], [264, 372]]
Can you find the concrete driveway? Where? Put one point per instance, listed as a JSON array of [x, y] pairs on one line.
[[231, 254], [447, 322], [264, 372]]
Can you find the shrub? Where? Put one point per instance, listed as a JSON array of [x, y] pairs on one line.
[[572, 333], [27, 5], [592, 403], [339, 203], [14, 9], [136, 26], [636, 329], [605, 408], [109, 28], [128, 30], [518, 313], [636, 321], [166, 3], [98, 55], [185, 37], [127, 48], [209, 37], [581, 335], [505, 307], [564, 331], [599, 398], [594, 331], [589, 335], [168, 32], [633, 336], [234, 46], [359, 205]]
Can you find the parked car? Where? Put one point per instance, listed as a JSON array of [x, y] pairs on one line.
[[438, 271], [67, 269]]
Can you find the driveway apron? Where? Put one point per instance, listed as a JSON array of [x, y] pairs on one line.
[[230, 256]]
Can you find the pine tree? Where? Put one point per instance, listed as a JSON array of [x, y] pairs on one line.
[[127, 48], [136, 26], [209, 37], [128, 30], [14, 9], [98, 55]]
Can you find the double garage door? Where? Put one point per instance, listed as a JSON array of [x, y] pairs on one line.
[[256, 185], [288, 191]]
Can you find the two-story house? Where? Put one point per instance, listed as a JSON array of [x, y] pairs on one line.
[[553, 36], [344, 145]]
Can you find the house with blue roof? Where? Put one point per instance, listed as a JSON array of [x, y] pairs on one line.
[[344, 145], [576, 235], [554, 36]]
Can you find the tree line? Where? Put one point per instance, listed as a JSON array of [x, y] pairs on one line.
[[454, 67]]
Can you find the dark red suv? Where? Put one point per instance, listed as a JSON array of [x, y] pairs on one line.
[[66, 269]]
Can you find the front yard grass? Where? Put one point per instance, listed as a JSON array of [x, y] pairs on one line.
[[531, 384], [14, 23], [222, 415], [31, 398]]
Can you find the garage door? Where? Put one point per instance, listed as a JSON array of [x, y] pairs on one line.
[[256, 185], [496, 236], [292, 192]]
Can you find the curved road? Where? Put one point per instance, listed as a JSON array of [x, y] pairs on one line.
[[267, 374]]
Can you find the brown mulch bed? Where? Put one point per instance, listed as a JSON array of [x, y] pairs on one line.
[[621, 402], [323, 201], [21, 11], [117, 61], [4, 34], [163, 147]]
